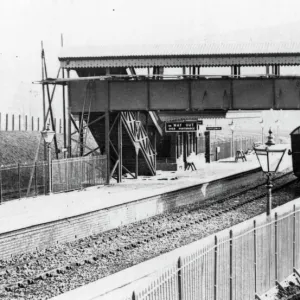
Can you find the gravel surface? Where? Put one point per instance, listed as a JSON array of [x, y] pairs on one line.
[[44, 274]]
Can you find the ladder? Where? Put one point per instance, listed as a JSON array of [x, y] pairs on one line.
[[139, 137]]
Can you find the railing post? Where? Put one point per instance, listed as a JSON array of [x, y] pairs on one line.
[[276, 250], [133, 296], [25, 122], [230, 265], [294, 237], [6, 123], [215, 268], [179, 278], [19, 180], [19, 122], [13, 122], [255, 255]]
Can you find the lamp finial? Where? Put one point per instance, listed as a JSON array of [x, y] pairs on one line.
[[270, 140]]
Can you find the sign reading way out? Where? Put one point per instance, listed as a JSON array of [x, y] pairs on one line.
[[182, 126]]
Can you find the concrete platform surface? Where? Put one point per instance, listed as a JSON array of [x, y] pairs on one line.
[[26, 212]]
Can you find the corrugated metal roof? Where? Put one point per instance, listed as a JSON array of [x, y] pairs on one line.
[[206, 49]]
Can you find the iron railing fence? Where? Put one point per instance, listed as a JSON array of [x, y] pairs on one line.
[[32, 179], [23, 180], [246, 263], [221, 150], [77, 173]]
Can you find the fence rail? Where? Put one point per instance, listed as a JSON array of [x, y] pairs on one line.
[[242, 265], [28, 180]]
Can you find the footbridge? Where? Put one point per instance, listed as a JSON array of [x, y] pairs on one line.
[[122, 90]]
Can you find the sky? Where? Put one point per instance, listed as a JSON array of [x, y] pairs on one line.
[[25, 23]]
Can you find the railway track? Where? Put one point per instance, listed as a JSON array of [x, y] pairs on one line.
[[22, 277]]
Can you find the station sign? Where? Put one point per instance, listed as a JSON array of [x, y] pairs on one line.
[[182, 126], [213, 128]]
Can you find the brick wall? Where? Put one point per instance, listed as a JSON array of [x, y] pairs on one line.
[[67, 230]]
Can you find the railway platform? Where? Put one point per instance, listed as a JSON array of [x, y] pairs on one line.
[[34, 223]]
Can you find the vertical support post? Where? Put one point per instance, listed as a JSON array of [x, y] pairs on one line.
[[207, 146], [294, 237], [0, 185], [177, 145], [232, 141], [196, 145], [107, 146], [38, 124], [215, 268], [35, 179], [59, 125], [276, 250], [25, 122], [44, 176], [6, 123], [64, 112], [0, 122], [179, 278], [136, 164], [19, 180], [44, 101], [19, 122], [81, 139], [69, 119], [230, 265], [13, 122], [120, 146], [255, 257], [188, 144]]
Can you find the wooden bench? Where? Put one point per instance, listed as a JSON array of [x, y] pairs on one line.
[[240, 155], [190, 165]]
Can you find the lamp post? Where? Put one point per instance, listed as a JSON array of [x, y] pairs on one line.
[[48, 136], [262, 130], [232, 126], [269, 157]]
